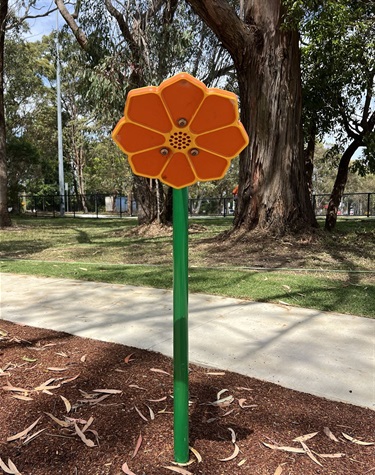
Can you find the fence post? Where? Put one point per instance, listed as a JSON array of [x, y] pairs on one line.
[[368, 204]]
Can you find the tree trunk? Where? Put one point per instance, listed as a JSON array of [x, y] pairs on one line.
[[309, 153], [5, 220], [339, 185], [273, 194]]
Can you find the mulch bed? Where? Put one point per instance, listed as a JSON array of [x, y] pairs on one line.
[[53, 377]]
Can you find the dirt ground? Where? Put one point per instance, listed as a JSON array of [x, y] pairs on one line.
[[316, 250], [75, 406]]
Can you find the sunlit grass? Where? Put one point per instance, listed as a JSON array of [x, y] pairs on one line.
[[111, 250]]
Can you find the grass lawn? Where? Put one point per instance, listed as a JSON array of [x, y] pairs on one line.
[[333, 272]]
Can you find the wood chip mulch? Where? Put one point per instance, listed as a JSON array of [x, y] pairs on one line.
[[76, 406]]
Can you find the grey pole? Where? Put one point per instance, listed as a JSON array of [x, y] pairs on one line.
[[59, 125]]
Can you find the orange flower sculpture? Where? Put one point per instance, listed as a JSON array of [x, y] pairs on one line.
[[180, 132]]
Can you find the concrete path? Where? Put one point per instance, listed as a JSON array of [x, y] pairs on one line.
[[326, 354]]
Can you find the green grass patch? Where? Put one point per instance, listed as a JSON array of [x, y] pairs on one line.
[[343, 293], [342, 273]]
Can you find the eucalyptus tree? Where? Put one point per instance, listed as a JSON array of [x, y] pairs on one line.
[[30, 117], [273, 192], [338, 60], [4, 215], [135, 43], [9, 21]]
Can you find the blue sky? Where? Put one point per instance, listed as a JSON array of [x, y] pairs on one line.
[[38, 26]]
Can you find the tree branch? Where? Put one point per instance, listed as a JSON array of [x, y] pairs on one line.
[[350, 132], [217, 14], [366, 107], [125, 31], [70, 21]]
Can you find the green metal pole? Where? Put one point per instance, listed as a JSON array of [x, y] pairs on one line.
[[180, 325]]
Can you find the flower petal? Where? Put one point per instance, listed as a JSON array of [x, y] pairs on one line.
[[216, 111], [228, 142], [178, 172], [134, 138], [148, 164], [208, 166], [183, 97], [146, 108]]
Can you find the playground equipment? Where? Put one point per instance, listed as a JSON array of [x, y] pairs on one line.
[[180, 132]]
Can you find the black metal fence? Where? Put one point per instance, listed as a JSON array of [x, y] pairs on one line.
[[102, 205]]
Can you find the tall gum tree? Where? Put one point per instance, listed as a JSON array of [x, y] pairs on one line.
[[273, 193], [135, 43], [338, 61], [4, 215]]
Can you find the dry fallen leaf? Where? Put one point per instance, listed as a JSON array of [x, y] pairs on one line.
[[233, 434], [58, 421], [140, 413], [218, 373], [29, 360], [356, 441], [54, 368], [196, 453], [180, 470], [136, 387], [10, 387], [47, 385], [329, 434], [242, 404], [68, 406], [82, 436], [294, 450], [127, 358], [11, 469], [241, 462], [137, 446], [87, 424], [331, 456], [310, 454], [157, 370], [70, 379], [279, 470], [24, 432], [108, 391], [22, 398], [158, 400], [83, 358], [305, 437], [152, 414], [126, 469], [33, 436], [221, 392], [225, 401], [234, 455]]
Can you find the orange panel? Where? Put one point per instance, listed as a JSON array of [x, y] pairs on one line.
[[208, 166], [147, 109], [151, 122], [215, 112], [178, 172], [226, 142], [182, 99], [134, 138], [149, 163]]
